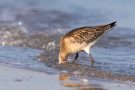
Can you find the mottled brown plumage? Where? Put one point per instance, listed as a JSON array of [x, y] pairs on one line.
[[81, 39]]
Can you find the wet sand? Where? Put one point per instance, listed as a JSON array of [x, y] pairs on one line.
[[20, 79], [12, 78]]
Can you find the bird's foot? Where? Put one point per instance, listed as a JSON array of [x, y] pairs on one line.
[[92, 62]]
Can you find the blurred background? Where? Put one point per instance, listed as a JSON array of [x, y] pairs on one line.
[[73, 13]]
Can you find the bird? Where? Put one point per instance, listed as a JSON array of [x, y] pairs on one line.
[[81, 39]]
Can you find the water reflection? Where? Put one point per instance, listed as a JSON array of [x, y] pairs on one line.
[[78, 83]]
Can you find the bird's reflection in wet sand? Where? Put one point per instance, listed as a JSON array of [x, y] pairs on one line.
[[77, 83]]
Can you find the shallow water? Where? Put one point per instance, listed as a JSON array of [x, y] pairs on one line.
[[30, 31]]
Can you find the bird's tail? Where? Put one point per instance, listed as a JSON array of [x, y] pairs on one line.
[[112, 24], [108, 26]]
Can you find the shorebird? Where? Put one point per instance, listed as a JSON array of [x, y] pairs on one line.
[[81, 39]]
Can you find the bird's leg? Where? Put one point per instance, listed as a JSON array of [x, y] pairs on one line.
[[76, 56], [92, 60], [87, 50]]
